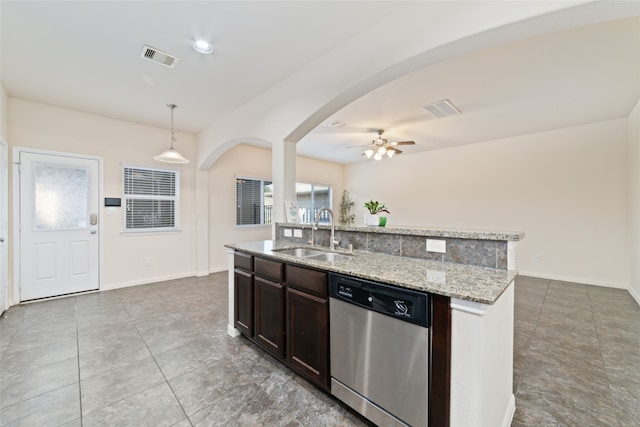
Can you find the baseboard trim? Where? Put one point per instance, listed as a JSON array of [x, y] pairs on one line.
[[511, 411], [573, 280], [634, 294], [232, 331], [145, 281]]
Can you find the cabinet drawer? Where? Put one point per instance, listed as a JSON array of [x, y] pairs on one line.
[[243, 261], [269, 269], [312, 281]]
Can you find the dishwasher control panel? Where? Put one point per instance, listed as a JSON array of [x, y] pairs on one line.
[[404, 304]]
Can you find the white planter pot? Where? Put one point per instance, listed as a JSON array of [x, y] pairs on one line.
[[371, 220]]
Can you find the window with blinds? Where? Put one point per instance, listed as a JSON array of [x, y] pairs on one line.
[[151, 199], [254, 201]]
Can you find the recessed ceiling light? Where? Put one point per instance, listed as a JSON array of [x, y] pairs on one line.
[[202, 46]]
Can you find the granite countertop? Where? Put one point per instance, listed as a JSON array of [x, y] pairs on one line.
[[479, 284], [422, 231]]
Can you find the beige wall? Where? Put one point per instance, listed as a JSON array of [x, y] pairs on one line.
[[252, 162], [566, 189], [633, 215], [46, 127], [4, 99]]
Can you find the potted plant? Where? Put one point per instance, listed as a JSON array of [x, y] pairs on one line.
[[346, 204], [374, 218]]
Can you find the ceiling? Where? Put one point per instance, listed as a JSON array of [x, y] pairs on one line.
[[558, 80], [86, 56]]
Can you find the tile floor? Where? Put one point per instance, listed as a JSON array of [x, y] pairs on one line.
[[159, 355], [576, 355]]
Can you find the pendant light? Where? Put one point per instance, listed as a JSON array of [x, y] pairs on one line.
[[171, 155]]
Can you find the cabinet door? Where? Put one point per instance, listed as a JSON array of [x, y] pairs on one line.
[[308, 336], [244, 302], [269, 316]]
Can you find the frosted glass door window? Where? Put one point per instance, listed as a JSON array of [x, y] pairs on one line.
[[61, 197]]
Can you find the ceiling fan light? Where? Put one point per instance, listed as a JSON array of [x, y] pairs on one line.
[[368, 153], [390, 153], [378, 156], [382, 151]]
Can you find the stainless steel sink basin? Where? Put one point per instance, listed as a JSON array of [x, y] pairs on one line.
[[328, 256], [301, 252], [316, 254]]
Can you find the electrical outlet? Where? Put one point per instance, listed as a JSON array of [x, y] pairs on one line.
[[287, 232], [537, 257], [147, 262], [439, 246], [297, 233]]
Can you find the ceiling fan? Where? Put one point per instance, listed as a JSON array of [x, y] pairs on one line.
[[380, 146]]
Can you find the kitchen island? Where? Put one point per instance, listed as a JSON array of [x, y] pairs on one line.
[[472, 333]]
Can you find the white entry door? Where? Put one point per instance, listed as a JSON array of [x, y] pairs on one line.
[[59, 239]]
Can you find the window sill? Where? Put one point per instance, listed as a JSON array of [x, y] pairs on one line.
[[252, 227], [150, 232]]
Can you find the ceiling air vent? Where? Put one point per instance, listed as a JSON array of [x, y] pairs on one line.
[[159, 57], [442, 109]]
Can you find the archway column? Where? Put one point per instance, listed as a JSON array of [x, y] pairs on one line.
[[202, 223], [283, 175]]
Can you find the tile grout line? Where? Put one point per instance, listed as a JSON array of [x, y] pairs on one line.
[[78, 358], [160, 369], [533, 331], [604, 365]]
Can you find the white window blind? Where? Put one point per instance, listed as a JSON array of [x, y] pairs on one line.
[[151, 199]]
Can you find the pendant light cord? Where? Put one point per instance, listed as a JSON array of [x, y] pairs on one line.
[[173, 138]]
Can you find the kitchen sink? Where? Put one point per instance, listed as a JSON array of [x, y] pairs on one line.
[[315, 254]]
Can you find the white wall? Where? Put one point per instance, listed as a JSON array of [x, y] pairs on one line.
[[566, 189], [46, 127], [633, 215], [251, 162]]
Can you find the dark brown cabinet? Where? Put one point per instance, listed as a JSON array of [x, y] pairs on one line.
[[269, 316], [308, 324], [243, 286], [284, 308], [308, 337], [244, 302]]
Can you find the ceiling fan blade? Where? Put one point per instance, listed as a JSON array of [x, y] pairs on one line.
[[394, 149], [358, 146], [403, 143]]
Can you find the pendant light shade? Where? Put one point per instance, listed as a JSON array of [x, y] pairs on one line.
[[171, 155]]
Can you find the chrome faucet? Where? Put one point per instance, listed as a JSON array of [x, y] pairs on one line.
[[333, 242]]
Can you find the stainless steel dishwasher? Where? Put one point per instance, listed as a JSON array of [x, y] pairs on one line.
[[380, 350]]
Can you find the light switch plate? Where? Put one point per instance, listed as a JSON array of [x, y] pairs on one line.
[[439, 246], [287, 232], [297, 233]]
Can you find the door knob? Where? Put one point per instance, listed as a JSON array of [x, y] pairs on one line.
[[93, 231]]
